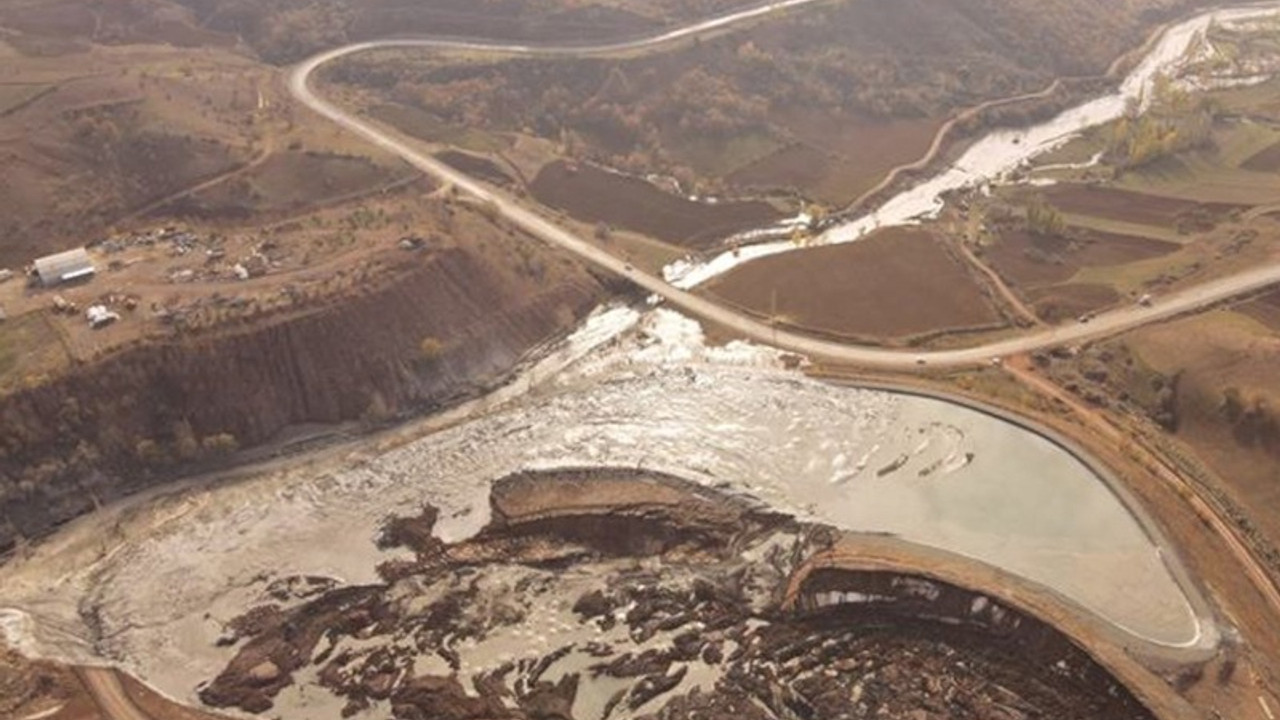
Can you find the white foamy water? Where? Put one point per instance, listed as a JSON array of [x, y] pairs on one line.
[[996, 155]]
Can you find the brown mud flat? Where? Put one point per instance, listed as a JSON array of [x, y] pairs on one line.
[[1265, 160], [594, 195], [897, 283], [477, 167], [653, 568], [1135, 207]]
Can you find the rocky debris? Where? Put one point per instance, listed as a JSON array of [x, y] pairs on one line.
[[299, 587], [654, 685], [264, 673], [673, 635], [442, 698]]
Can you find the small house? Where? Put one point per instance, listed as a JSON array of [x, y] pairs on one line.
[[64, 267]]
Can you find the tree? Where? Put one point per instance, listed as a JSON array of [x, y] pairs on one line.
[[149, 451], [1044, 219], [184, 441], [220, 445], [431, 348]]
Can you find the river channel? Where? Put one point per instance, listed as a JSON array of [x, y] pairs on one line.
[[148, 584], [994, 156]]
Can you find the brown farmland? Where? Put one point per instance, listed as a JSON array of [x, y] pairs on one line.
[[1133, 207], [1028, 260], [1063, 302], [478, 167], [594, 195], [839, 157], [898, 283], [1265, 309], [1265, 160]]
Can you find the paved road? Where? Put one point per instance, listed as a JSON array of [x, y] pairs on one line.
[[539, 226]]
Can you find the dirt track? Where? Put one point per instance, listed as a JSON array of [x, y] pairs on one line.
[[541, 227], [944, 132], [104, 684], [1239, 548]]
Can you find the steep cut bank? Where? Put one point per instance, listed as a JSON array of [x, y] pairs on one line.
[[438, 327]]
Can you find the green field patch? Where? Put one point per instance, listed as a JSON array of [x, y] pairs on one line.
[[1135, 277]]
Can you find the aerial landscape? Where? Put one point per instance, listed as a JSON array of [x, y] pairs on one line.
[[606, 359]]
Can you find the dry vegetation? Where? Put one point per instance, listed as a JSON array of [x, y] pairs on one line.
[[1186, 194], [283, 31], [1209, 381], [825, 99], [283, 234]]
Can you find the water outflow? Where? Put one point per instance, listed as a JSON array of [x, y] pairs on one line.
[[995, 155]]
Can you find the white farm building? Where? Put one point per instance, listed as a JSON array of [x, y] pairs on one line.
[[64, 267]]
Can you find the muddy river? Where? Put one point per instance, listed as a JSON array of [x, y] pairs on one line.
[[997, 154], [150, 584]]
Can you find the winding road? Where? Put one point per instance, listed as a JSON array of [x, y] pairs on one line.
[[539, 226]]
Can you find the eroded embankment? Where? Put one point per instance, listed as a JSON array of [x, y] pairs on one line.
[[440, 328], [617, 593]]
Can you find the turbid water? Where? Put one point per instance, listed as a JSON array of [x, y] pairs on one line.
[[148, 584], [996, 154], [161, 576]]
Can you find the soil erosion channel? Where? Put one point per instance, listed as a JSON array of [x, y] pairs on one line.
[[121, 585]]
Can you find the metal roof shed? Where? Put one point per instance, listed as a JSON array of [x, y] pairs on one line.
[[64, 267]]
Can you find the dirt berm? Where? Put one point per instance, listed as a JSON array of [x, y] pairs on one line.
[[441, 327]]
